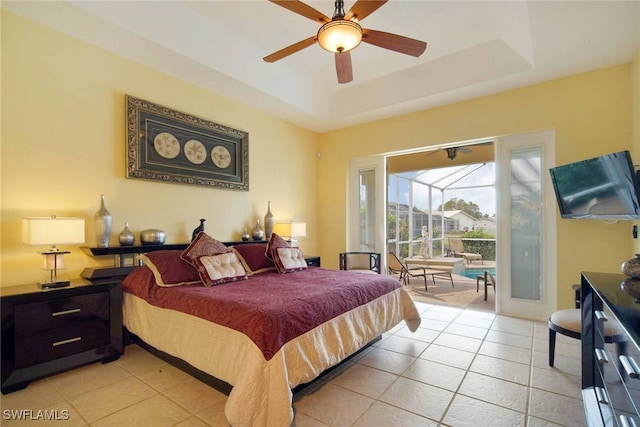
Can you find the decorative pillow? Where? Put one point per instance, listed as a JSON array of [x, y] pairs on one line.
[[203, 245], [168, 269], [275, 242], [289, 260], [253, 258], [220, 268]]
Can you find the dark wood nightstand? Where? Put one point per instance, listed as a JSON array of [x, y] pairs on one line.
[[312, 261], [48, 331]]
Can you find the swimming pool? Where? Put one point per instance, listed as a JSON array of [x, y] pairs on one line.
[[472, 273]]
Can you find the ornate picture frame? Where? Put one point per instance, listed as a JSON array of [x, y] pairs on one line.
[[171, 146]]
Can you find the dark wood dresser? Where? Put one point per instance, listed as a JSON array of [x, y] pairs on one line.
[[48, 331], [610, 372]]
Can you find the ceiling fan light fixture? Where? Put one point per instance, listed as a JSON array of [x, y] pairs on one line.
[[452, 152], [339, 35]]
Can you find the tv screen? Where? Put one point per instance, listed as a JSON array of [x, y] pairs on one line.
[[604, 187]]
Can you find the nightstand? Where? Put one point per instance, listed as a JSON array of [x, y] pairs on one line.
[[312, 261], [48, 331]]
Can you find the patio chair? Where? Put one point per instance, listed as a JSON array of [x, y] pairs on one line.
[[396, 266], [457, 247], [489, 280]]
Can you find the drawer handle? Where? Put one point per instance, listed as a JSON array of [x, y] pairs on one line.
[[602, 396], [65, 312], [626, 421], [63, 342], [630, 366], [601, 356], [600, 315]]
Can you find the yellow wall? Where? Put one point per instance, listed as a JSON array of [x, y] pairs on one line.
[[590, 114], [63, 144]]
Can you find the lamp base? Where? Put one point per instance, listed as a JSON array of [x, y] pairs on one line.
[[53, 285]]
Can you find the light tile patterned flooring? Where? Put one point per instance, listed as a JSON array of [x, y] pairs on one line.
[[461, 368]]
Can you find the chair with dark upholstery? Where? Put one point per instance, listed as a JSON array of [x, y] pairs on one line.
[[364, 262]]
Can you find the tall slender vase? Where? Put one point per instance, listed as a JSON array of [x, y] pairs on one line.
[[269, 221], [102, 220]]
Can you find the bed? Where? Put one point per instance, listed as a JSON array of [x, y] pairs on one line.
[[258, 318]]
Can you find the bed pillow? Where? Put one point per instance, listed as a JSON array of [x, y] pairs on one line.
[[253, 258], [289, 259], [169, 269], [203, 245], [220, 268], [275, 242]]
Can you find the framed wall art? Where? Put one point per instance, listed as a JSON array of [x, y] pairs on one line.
[[170, 146]]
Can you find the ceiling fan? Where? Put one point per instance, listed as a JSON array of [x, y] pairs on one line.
[[343, 32], [452, 152]]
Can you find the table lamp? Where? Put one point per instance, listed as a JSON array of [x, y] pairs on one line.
[[291, 230], [39, 231]]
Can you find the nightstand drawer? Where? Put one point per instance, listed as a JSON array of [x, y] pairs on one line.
[[60, 313], [53, 344]]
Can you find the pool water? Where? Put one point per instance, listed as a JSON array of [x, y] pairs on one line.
[[472, 273]]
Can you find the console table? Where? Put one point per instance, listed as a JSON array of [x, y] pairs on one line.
[[120, 254], [610, 381]]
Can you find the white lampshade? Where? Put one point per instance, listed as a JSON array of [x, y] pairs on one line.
[[290, 230], [298, 229], [39, 231]]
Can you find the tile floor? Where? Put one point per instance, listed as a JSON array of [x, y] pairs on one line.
[[461, 368]]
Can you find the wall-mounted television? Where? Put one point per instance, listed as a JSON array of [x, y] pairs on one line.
[[604, 187]]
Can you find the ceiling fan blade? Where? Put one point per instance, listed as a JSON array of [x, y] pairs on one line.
[[343, 67], [394, 42], [276, 56], [363, 8], [300, 8]]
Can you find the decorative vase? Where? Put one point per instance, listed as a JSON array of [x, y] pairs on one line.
[[198, 229], [257, 232], [102, 220], [245, 235], [126, 237], [269, 220], [152, 237], [632, 267]]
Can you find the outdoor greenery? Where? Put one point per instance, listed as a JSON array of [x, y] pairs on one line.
[[487, 248]]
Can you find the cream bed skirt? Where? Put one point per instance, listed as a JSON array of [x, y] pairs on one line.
[[261, 394]]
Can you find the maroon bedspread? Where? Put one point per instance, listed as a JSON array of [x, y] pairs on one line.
[[270, 308]]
